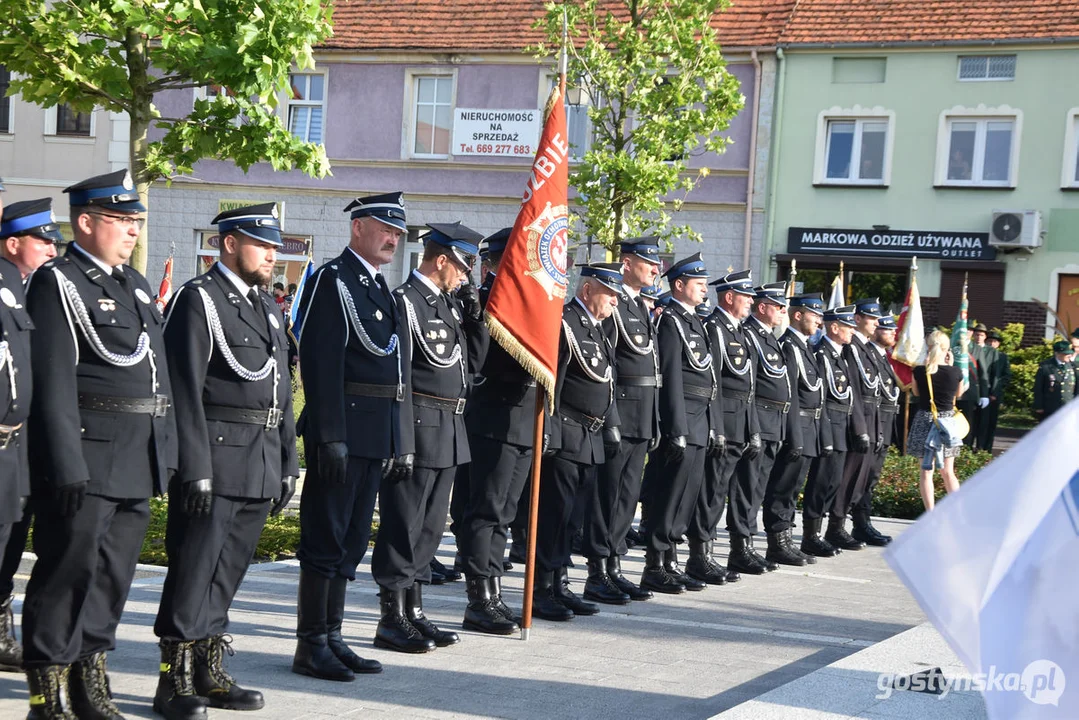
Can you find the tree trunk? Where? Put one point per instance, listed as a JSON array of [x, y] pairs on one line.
[[139, 113]]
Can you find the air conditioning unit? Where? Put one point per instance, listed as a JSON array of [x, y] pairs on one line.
[[1016, 229]]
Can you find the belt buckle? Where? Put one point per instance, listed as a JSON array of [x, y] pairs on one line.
[[460, 409], [161, 405], [816, 413], [595, 425], [400, 392], [659, 380], [6, 438], [273, 418], [786, 407]]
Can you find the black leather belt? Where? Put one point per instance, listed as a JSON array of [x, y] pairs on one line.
[[736, 395], [655, 381], [889, 409], [439, 403], [840, 408], [783, 407], [697, 391], [271, 418], [588, 422], [875, 402], [812, 413], [7, 434], [158, 405], [397, 392]]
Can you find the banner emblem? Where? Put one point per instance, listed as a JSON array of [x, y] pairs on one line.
[[547, 250]]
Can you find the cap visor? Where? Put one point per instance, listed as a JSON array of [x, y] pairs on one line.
[[268, 235], [392, 222], [133, 206]]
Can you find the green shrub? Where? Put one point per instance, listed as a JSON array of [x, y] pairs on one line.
[[1019, 396], [897, 494]]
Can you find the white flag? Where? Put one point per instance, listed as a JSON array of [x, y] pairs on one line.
[[837, 299], [995, 568]]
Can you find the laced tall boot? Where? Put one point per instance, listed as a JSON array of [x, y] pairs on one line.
[[768, 565], [545, 603], [48, 693], [838, 536], [394, 631], [864, 530], [670, 564], [741, 559], [212, 680], [10, 649], [567, 597], [600, 587], [701, 566], [175, 698], [494, 585], [655, 575], [779, 552], [614, 572], [812, 542], [335, 618], [313, 654], [788, 542], [414, 613], [91, 695], [482, 613]]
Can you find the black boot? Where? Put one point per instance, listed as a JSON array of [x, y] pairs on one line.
[[175, 698], [414, 613], [91, 696], [600, 587], [779, 552], [545, 604], [741, 559], [760, 559], [812, 543], [212, 680], [864, 530], [614, 572], [450, 573], [48, 693], [335, 619], [394, 631], [569, 598], [701, 566], [655, 576], [788, 542], [494, 586], [10, 650], [633, 539], [483, 613], [838, 536], [518, 549], [670, 564], [313, 654]]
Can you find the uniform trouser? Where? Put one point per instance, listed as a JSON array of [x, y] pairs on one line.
[[80, 581], [583, 507], [761, 469], [852, 482], [825, 475], [412, 519], [676, 489], [498, 472], [7, 534], [335, 518], [648, 483], [876, 466], [459, 502], [781, 493], [713, 495], [13, 550], [986, 427], [208, 558], [518, 524], [617, 486], [559, 480]]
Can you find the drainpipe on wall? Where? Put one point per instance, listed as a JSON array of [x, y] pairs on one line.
[[773, 174], [747, 239]]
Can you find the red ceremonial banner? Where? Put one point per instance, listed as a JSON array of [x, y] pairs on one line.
[[524, 309]]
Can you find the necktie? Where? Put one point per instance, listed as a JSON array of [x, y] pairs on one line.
[[381, 280], [260, 311], [121, 280]]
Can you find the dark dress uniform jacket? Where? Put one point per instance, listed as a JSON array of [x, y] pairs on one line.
[[773, 383], [437, 333], [15, 324], [1054, 386], [863, 371], [584, 354], [689, 381], [889, 393], [811, 430], [633, 336], [244, 460], [333, 352], [844, 413], [730, 347], [123, 455]]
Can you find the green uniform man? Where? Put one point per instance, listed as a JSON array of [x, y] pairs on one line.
[[1054, 385]]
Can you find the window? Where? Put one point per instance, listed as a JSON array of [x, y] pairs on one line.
[[306, 106], [578, 124], [1070, 175], [978, 151], [854, 147], [69, 122], [5, 102], [432, 115], [974, 68], [858, 70]]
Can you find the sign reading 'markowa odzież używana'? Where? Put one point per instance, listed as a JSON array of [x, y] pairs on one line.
[[939, 244]]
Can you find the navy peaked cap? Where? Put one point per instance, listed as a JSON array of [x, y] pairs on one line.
[[261, 222], [843, 315], [495, 242], [775, 293], [462, 241], [114, 191], [31, 217], [646, 247], [813, 302], [389, 208], [692, 266], [870, 307], [887, 323], [608, 274], [651, 292]]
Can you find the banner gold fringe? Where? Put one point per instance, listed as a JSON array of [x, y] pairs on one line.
[[520, 353]]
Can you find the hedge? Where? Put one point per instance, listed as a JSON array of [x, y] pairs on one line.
[[897, 492]]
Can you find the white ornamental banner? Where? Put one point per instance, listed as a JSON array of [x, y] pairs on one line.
[[506, 133]]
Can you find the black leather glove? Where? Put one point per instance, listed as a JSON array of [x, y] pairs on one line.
[[23, 502], [197, 496], [547, 450], [653, 444], [387, 467], [793, 453], [676, 448], [827, 451], [332, 462], [879, 444], [69, 498], [861, 443], [288, 489], [403, 466], [612, 441], [753, 447], [717, 445], [470, 301]]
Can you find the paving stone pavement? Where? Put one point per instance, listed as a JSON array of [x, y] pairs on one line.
[[689, 656]]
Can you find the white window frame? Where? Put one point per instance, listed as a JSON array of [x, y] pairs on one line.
[[959, 67], [856, 113], [10, 134], [290, 101], [1071, 150], [546, 81], [408, 130], [980, 114], [52, 137]]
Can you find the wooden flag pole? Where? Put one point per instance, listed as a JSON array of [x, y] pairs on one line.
[[533, 517]]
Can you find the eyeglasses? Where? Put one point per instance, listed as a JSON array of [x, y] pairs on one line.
[[127, 221]]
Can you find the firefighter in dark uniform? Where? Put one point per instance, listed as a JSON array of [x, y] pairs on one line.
[[863, 369], [741, 430], [689, 388], [777, 404], [617, 489], [102, 442], [228, 355], [412, 511], [500, 421], [1054, 383], [583, 431], [28, 237], [356, 425], [810, 433], [844, 412], [34, 221], [862, 502]]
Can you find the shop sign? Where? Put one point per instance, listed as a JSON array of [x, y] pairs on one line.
[[928, 244]]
